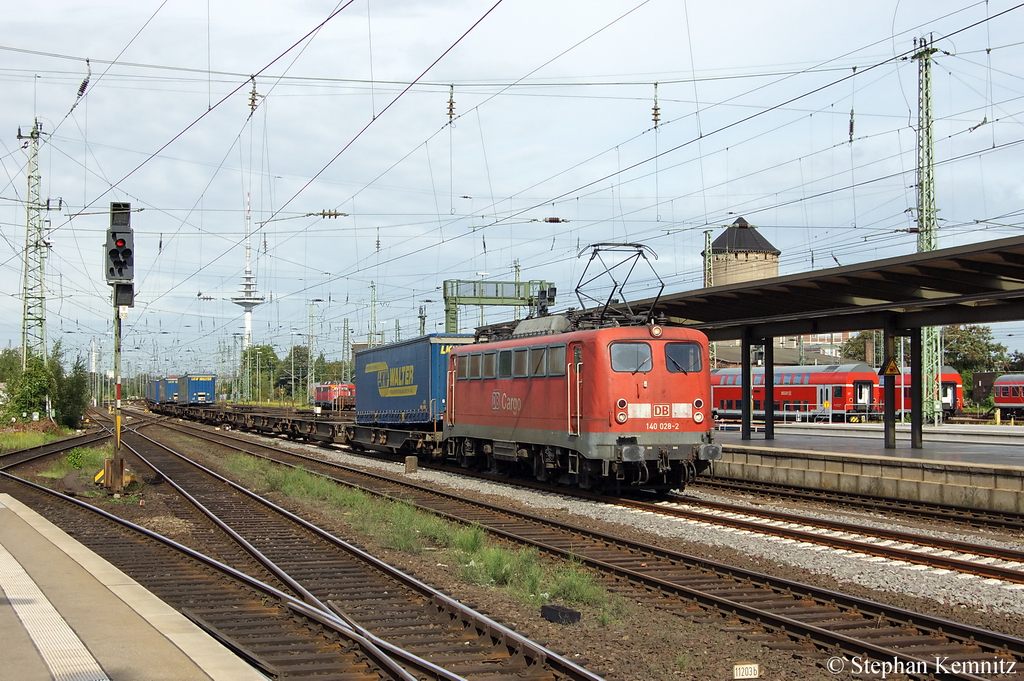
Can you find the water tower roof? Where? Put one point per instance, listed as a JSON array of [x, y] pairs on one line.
[[742, 237]]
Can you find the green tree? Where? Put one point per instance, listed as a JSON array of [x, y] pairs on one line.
[[856, 347], [1015, 362], [293, 370], [969, 348], [31, 391], [47, 385], [10, 365], [259, 363], [72, 394]]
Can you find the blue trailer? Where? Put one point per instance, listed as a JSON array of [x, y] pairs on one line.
[[167, 391], [152, 390], [196, 389], [404, 382]]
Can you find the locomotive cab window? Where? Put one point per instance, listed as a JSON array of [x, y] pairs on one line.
[[631, 357], [682, 357]]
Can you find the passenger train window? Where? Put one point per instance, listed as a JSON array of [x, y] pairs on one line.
[[556, 360], [682, 357], [538, 358], [505, 364], [520, 363], [474, 365], [837, 392], [631, 357], [489, 365], [787, 379]]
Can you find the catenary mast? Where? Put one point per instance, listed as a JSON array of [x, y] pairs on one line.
[[927, 228], [33, 318]]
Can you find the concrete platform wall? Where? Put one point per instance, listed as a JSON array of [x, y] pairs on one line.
[[998, 488]]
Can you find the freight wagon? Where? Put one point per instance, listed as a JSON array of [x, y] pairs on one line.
[[400, 391]]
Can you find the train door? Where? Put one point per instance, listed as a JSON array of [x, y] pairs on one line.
[[824, 404], [449, 412], [574, 386], [863, 393], [948, 393]]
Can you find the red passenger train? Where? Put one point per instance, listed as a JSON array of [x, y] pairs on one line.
[[1008, 395], [951, 392], [604, 409], [845, 392]]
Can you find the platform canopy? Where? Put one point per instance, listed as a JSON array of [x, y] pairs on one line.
[[976, 284]]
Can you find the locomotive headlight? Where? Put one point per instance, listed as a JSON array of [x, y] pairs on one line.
[[698, 416], [621, 404], [698, 403], [656, 331], [621, 417]]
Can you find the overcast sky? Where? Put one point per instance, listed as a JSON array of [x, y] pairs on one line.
[[798, 116]]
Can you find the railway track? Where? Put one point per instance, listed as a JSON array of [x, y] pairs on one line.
[[376, 599], [943, 513], [21, 456], [781, 613], [275, 632]]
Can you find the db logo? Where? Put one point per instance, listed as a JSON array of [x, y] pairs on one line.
[[496, 400], [662, 410]]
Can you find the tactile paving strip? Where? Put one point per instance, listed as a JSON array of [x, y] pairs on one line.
[[61, 649]]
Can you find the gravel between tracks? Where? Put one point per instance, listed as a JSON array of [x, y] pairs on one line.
[[641, 643], [958, 590]]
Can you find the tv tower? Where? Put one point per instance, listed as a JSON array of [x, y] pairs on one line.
[[249, 297]]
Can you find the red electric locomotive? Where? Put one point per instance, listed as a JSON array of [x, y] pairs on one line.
[[605, 409], [843, 392], [1008, 395], [334, 396]]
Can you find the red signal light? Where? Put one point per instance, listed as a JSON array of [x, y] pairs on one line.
[[119, 243]]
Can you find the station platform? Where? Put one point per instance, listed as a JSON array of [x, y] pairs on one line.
[[68, 615], [986, 445], [958, 465]]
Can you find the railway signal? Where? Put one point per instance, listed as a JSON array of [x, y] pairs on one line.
[[119, 271], [120, 247]]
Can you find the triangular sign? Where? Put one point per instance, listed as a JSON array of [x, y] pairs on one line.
[[891, 368]]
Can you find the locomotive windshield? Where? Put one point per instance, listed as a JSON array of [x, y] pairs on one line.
[[682, 357], [631, 357]]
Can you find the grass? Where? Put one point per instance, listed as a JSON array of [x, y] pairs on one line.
[[88, 460], [399, 526], [13, 441]]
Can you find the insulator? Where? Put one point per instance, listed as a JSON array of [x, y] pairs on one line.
[[554, 220], [657, 115], [451, 103]]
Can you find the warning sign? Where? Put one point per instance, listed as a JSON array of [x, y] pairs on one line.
[[890, 368]]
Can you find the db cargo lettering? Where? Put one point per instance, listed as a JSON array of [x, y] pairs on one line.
[[503, 402], [393, 381]]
